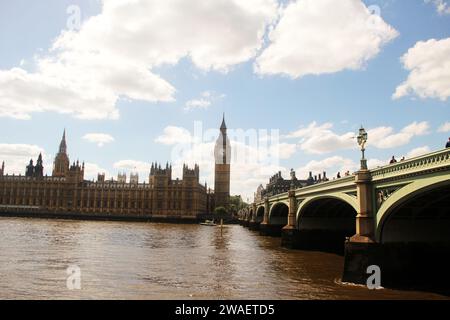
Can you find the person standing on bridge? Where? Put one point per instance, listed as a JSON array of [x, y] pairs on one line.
[[448, 143], [392, 160]]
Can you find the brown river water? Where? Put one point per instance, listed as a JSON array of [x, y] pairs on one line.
[[123, 260]]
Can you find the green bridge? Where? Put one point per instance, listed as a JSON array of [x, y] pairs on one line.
[[396, 217]]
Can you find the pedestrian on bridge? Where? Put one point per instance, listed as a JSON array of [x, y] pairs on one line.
[[393, 160], [448, 143]]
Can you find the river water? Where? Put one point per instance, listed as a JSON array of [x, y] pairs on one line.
[[122, 260]]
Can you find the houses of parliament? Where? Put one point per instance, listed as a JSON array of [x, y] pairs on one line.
[[67, 193]]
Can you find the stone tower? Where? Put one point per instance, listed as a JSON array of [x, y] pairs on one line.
[[222, 155], [39, 168], [61, 164]]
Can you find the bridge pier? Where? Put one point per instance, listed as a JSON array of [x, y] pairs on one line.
[[289, 233], [254, 225], [290, 238], [361, 250], [420, 266], [358, 257], [314, 240], [272, 230], [263, 226]]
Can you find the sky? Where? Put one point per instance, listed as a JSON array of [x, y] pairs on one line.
[[141, 81]]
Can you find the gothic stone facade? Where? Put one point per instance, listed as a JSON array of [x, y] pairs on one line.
[[66, 192]]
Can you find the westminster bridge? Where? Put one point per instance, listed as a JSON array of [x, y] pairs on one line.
[[396, 217]]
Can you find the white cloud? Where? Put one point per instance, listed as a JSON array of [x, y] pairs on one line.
[[284, 150], [429, 66], [17, 157], [91, 171], [442, 6], [323, 36], [418, 152], [197, 104], [374, 163], [112, 56], [445, 127], [331, 166], [319, 139], [99, 138], [174, 135], [204, 102], [384, 138]]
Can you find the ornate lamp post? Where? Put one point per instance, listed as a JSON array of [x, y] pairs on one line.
[[362, 139]]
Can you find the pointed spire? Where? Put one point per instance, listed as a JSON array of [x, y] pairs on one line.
[[63, 145], [223, 126]]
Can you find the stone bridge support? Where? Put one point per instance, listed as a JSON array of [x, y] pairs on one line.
[[253, 224], [290, 233], [264, 226], [361, 250]]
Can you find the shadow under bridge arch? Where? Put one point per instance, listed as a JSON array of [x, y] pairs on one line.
[[278, 217], [413, 231], [323, 222]]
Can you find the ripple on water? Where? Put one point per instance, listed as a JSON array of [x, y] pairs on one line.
[[121, 260]]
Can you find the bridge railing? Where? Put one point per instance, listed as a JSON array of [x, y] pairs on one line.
[[434, 160], [329, 183]]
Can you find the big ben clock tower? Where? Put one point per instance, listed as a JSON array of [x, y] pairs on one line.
[[222, 155]]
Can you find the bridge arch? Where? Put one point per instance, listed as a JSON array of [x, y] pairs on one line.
[[324, 221], [278, 213], [418, 212], [352, 201], [250, 215], [413, 229], [259, 217]]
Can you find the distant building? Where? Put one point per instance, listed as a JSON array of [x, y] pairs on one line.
[[134, 178], [259, 193], [277, 184], [122, 177], [67, 192]]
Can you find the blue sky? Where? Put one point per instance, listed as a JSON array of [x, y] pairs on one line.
[[282, 79]]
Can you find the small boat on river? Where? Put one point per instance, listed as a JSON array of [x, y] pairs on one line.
[[208, 223]]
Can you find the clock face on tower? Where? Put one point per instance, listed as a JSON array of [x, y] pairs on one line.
[[222, 151]]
